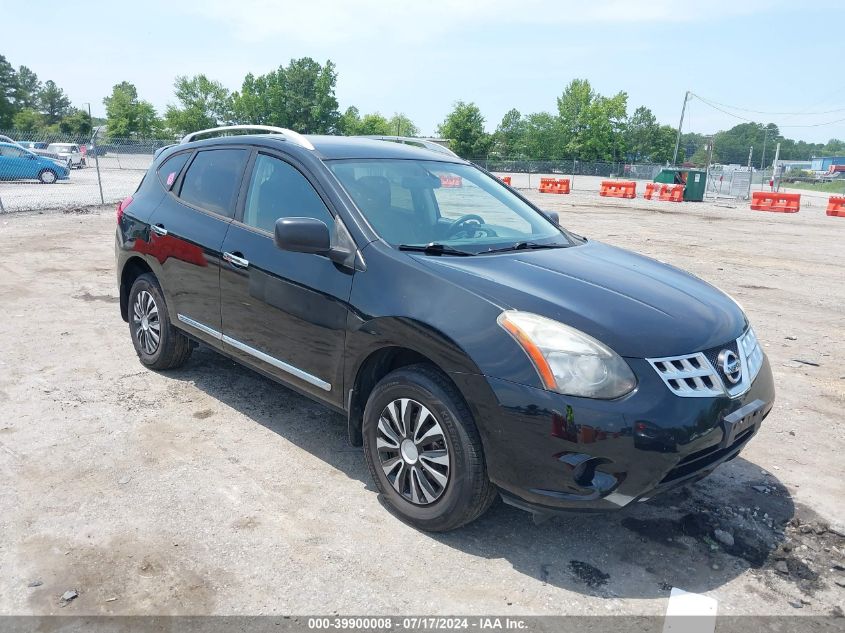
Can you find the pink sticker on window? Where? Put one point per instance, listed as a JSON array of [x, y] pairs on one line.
[[170, 178]]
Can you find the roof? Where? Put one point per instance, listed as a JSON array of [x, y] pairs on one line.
[[338, 147], [335, 147]]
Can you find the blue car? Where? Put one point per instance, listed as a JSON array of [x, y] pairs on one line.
[[17, 163]]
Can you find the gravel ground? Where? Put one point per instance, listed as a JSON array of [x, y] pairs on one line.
[[211, 490]]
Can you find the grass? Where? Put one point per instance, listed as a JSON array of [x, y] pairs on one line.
[[827, 187]]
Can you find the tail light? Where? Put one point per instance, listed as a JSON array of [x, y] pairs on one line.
[[121, 208]]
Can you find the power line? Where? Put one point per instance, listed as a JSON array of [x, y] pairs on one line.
[[725, 105], [742, 118]]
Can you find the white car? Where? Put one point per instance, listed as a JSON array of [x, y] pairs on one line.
[[69, 153]]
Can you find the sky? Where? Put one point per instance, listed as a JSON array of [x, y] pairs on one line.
[[420, 56]]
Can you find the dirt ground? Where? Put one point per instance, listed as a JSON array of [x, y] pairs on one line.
[[211, 490]]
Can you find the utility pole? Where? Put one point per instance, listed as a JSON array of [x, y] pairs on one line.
[[750, 172], [710, 144], [776, 182], [680, 127], [763, 158]]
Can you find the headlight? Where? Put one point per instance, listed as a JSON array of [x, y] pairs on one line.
[[567, 360], [752, 351]]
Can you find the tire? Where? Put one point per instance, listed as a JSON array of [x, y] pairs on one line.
[[148, 318], [47, 176], [83, 164], [427, 505]]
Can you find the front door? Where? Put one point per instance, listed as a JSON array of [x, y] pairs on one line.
[[17, 164], [283, 312]]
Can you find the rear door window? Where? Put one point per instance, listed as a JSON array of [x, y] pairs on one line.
[[213, 180]]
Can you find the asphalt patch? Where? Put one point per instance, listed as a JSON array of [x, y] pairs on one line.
[[588, 574]]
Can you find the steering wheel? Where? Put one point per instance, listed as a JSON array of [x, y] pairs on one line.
[[458, 225]]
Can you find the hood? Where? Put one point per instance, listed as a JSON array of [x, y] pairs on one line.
[[639, 307]]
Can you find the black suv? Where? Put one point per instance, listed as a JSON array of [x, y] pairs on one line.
[[476, 347]]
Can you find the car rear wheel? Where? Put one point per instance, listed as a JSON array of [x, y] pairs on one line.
[[47, 176], [158, 344], [424, 452]]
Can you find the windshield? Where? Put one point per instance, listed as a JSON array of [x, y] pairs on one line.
[[420, 202]]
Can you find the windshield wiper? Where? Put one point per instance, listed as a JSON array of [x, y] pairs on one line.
[[434, 249], [522, 246]]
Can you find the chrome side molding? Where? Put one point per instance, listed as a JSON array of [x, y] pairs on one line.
[[270, 360]]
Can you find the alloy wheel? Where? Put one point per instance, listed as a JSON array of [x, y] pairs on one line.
[[147, 324], [412, 451]]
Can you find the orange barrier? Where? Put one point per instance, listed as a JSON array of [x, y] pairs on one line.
[[554, 185], [667, 193], [506, 180], [777, 202], [672, 193], [451, 182], [618, 189], [836, 206]]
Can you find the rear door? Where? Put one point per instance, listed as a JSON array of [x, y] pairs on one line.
[[283, 312], [186, 236]]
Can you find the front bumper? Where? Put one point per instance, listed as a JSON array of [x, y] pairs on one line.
[[549, 453]]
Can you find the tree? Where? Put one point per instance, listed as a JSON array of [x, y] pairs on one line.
[[127, 116], [663, 146], [28, 120], [592, 124], [53, 102], [573, 109], [299, 96], [28, 89], [640, 134], [543, 136], [8, 89], [400, 125], [374, 125], [464, 127], [76, 123], [349, 121], [733, 144], [203, 104], [509, 137]]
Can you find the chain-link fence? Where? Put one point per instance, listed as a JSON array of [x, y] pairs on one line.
[[583, 175], [95, 171], [49, 171]]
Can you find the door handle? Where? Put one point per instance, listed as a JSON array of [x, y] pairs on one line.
[[158, 229], [236, 260]]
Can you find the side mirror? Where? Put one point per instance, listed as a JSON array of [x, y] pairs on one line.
[[553, 216], [302, 235]]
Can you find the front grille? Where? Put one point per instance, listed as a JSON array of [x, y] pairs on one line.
[[688, 376], [700, 460], [700, 375], [712, 355]]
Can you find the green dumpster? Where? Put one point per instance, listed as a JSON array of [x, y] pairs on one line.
[[694, 181]]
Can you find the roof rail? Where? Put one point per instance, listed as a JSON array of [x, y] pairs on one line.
[[294, 137], [419, 142]]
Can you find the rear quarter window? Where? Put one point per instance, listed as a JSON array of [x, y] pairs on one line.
[[213, 180], [169, 170]]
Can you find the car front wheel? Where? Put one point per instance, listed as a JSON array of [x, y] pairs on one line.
[[423, 450], [158, 344], [47, 176]]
